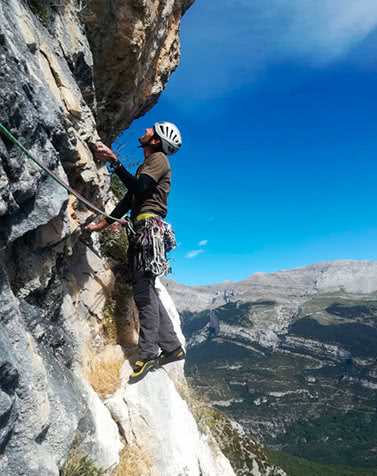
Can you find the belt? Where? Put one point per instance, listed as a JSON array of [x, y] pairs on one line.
[[143, 216]]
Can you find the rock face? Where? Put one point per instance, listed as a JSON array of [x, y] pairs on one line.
[[56, 83], [153, 415], [135, 59], [295, 361], [43, 403]]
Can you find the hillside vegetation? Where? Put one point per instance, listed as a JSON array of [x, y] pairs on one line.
[[295, 466]]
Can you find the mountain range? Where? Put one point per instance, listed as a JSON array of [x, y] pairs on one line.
[[295, 359]]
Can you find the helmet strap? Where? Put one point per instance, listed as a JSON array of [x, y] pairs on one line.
[[147, 144]]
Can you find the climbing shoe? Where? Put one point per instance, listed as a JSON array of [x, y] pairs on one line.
[[141, 369], [168, 357]]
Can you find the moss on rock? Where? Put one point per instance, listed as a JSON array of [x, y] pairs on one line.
[[243, 452], [120, 323], [114, 242]]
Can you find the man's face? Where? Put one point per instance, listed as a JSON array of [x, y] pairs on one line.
[[149, 133]]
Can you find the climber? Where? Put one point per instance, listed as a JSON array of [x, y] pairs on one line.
[[150, 238], [214, 326]]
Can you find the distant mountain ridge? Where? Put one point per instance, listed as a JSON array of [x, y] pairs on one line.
[[296, 359], [350, 276]]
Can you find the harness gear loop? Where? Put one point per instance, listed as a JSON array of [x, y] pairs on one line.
[[152, 240]]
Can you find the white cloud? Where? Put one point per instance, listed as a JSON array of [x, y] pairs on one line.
[[192, 254], [235, 40], [202, 243], [323, 29]]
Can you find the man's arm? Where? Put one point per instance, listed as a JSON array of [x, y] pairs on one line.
[[121, 209], [141, 187]]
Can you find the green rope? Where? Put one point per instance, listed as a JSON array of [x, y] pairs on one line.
[[57, 179]]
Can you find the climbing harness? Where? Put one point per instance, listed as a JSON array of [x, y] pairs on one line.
[[143, 216], [57, 179], [152, 240]]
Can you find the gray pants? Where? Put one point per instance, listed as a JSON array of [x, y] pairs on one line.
[[156, 328]]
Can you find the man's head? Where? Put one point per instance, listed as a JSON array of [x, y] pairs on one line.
[[150, 141], [164, 136]]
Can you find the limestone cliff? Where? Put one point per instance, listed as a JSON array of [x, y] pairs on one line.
[[135, 59], [72, 71]]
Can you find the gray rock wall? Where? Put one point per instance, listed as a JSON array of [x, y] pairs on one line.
[[52, 287]]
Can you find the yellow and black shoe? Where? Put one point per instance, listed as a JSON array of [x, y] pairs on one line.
[[141, 369], [168, 357]]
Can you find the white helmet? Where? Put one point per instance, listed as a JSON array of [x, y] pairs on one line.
[[171, 139]]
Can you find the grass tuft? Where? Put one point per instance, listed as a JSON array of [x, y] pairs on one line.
[[103, 373], [134, 461], [78, 465]]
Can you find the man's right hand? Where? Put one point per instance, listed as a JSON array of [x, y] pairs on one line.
[[97, 227], [104, 153]]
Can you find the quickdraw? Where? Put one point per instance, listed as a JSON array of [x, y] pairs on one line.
[[152, 240], [128, 224]]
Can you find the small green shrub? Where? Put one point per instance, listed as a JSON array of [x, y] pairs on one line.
[[41, 9], [78, 465], [117, 187], [115, 244], [109, 323]]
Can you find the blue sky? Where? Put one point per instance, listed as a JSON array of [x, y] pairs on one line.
[[277, 105]]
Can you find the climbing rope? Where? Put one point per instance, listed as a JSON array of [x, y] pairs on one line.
[[151, 238], [57, 179]]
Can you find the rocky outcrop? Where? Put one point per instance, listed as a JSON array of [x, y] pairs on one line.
[[43, 403], [134, 59], [153, 415]]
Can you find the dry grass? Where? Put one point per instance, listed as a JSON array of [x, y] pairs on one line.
[[133, 462], [103, 373]]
